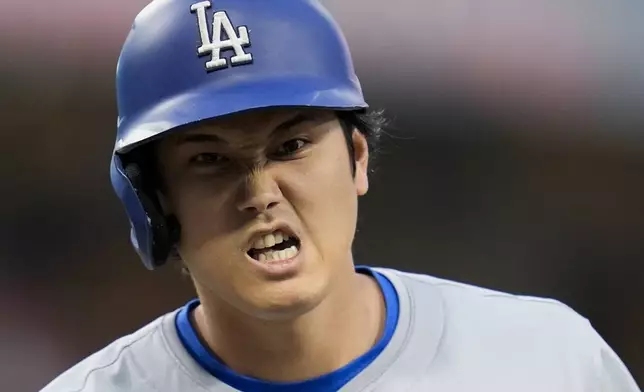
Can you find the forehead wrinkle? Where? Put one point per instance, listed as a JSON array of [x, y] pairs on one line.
[[252, 124], [238, 137], [248, 134]]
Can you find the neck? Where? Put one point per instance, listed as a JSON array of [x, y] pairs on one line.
[[345, 325]]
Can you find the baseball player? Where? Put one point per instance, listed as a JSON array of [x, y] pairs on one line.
[[242, 148]]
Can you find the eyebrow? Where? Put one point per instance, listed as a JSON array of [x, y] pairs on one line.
[[212, 138], [200, 138]]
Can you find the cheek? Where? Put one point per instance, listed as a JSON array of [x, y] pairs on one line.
[[323, 193], [199, 206]]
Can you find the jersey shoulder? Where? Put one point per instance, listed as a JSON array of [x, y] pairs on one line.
[[119, 367], [462, 295], [539, 330], [478, 310]]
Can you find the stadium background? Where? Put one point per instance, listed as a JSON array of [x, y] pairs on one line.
[[515, 161]]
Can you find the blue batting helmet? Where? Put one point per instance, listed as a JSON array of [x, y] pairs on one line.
[[186, 61]]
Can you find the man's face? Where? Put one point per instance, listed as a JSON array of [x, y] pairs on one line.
[[239, 184]]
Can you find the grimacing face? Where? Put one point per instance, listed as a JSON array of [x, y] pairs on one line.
[[230, 180]]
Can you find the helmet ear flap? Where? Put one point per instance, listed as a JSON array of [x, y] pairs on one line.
[[165, 230]]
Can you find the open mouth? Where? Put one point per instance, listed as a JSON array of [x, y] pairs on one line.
[[276, 246]]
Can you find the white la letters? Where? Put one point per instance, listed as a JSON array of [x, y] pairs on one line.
[[213, 46]]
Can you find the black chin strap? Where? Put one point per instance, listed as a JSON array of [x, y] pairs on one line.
[[165, 229]]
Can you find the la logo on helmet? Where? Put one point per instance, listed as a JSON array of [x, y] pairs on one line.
[[236, 41]]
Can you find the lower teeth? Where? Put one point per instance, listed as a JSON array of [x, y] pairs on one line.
[[276, 255]]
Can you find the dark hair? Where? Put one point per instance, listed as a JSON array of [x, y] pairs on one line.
[[370, 123]]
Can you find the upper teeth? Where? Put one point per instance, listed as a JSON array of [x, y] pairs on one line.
[[272, 239]]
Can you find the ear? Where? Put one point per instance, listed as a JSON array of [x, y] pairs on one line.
[[361, 153]]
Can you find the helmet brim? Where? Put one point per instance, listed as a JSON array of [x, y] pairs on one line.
[[208, 102]]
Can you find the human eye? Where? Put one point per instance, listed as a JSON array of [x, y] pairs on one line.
[[291, 147], [207, 160]]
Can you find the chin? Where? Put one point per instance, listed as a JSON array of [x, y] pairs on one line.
[[284, 300]]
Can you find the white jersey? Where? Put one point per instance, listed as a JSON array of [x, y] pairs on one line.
[[450, 337]]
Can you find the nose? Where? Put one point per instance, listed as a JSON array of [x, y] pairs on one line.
[[259, 193]]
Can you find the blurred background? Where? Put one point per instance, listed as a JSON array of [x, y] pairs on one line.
[[515, 161]]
